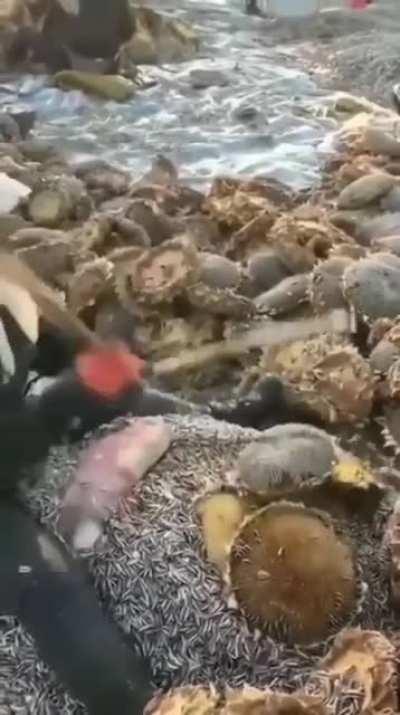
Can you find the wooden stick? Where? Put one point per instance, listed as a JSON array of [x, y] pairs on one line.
[[269, 334], [13, 270]]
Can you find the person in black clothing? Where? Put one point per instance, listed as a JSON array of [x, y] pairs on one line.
[[40, 583]]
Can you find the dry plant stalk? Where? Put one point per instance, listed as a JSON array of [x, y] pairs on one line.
[[272, 333], [16, 271]]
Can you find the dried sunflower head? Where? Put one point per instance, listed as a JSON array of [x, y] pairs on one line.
[[288, 457], [331, 376], [189, 700], [360, 667], [372, 286], [353, 472], [250, 701], [292, 573], [221, 514], [162, 273]]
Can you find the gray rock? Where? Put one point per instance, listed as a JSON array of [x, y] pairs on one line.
[[201, 79]]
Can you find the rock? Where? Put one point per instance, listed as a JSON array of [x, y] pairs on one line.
[[162, 173], [22, 171], [9, 129], [103, 178], [131, 232], [158, 39], [112, 87], [24, 117], [12, 192], [365, 190], [58, 201], [37, 150], [146, 213], [201, 79], [246, 113]]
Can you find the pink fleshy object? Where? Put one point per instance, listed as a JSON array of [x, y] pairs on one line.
[[358, 4], [108, 470]]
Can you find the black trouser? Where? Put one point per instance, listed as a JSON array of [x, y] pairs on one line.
[[50, 593]]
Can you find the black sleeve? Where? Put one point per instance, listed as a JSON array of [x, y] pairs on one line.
[[25, 443], [56, 603], [69, 410]]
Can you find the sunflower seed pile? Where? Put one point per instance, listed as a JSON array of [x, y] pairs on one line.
[[151, 574]]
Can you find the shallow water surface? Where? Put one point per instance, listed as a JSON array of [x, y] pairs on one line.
[[263, 119]]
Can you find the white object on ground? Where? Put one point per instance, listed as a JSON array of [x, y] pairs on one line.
[[11, 193]]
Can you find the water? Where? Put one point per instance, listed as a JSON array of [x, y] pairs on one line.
[[266, 121]]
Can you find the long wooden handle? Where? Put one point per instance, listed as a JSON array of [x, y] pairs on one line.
[[16, 271], [271, 333]]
